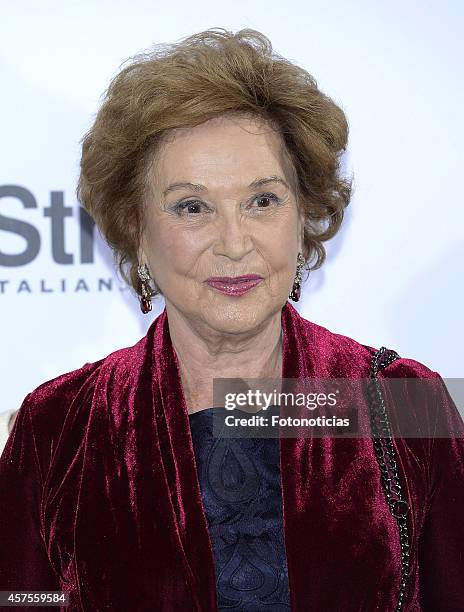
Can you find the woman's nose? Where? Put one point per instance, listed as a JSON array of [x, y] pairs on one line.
[[233, 237]]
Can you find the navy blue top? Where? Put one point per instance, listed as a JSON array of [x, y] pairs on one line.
[[242, 497]]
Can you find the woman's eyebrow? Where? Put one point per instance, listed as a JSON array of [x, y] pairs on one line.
[[198, 187]]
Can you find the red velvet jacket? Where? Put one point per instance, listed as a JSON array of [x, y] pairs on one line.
[[99, 493]]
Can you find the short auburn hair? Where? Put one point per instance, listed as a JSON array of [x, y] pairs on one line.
[[205, 75]]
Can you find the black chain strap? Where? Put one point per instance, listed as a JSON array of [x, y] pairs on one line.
[[385, 453]]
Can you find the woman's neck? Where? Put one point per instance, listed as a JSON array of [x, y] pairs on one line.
[[204, 354]]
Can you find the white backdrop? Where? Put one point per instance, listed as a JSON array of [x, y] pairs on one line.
[[393, 275]]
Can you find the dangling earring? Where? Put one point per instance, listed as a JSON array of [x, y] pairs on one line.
[[296, 289], [144, 276]]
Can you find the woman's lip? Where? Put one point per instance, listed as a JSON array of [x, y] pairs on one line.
[[233, 279], [234, 288]]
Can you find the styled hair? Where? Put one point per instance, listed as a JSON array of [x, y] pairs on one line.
[[205, 75]]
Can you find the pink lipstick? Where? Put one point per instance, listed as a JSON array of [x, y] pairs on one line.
[[234, 285]]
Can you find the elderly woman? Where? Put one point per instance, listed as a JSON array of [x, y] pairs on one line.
[[212, 170]]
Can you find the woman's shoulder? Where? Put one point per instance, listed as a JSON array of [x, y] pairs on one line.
[[348, 352], [415, 391], [48, 405], [67, 385]]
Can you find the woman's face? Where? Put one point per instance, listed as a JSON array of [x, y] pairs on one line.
[[226, 226]]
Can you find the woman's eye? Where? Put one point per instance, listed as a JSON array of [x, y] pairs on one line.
[[265, 200], [189, 207]]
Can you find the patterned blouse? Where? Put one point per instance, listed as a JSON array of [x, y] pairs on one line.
[[241, 491]]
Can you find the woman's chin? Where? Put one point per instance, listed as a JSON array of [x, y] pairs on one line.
[[236, 316]]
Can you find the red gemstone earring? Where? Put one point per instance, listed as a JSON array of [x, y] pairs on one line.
[[145, 290], [296, 289]]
